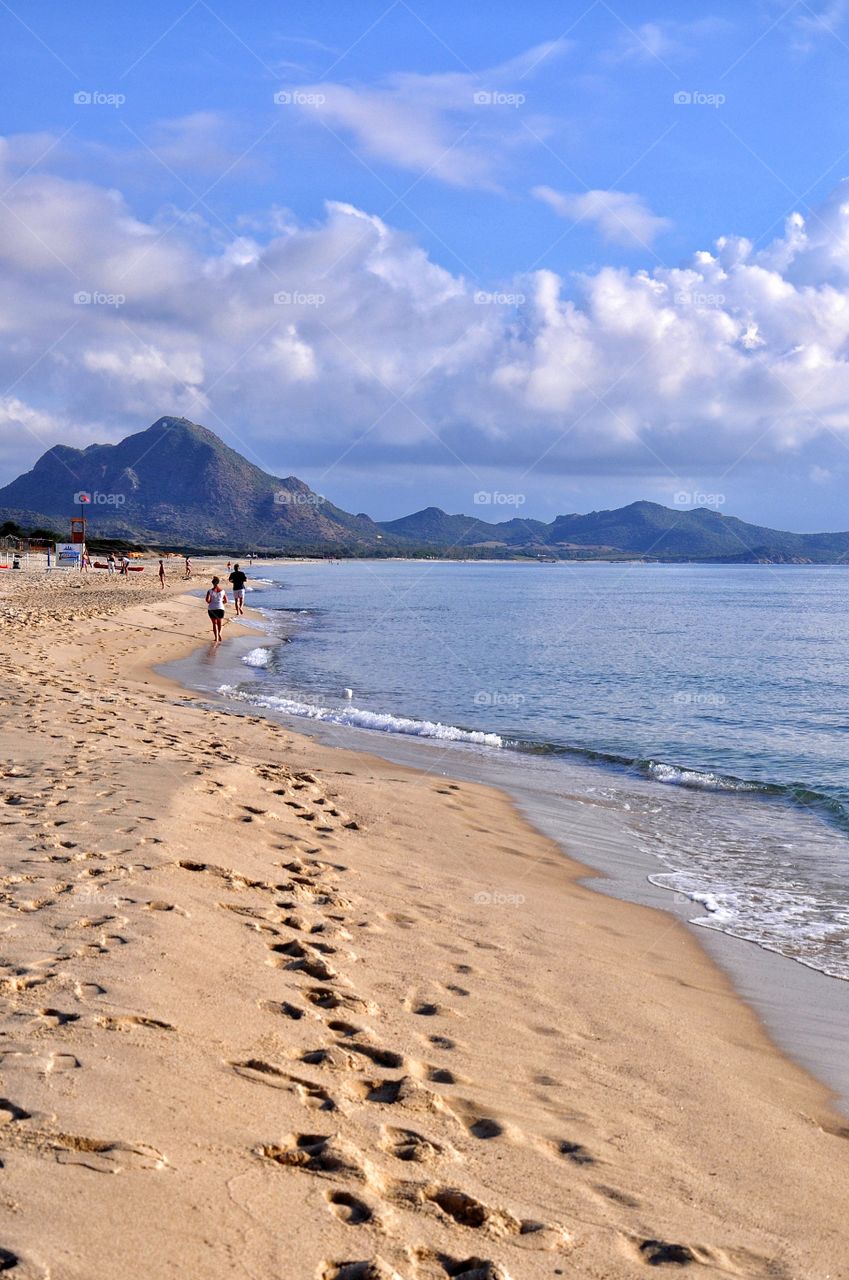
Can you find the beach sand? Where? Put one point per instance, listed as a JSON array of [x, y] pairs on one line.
[[274, 1009]]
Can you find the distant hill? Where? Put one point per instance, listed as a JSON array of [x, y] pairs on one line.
[[644, 529], [178, 484]]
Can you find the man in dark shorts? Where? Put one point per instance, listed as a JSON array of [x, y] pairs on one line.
[[237, 580]]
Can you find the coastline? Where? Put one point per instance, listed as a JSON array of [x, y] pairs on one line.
[[804, 1010], [579, 1087]]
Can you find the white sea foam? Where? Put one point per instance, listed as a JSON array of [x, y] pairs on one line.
[[257, 658], [359, 718], [675, 775]]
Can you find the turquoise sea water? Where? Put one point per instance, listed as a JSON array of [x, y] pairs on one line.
[[710, 704]]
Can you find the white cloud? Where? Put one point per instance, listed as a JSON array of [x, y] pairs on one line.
[[458, 127], [620, 216], [664, 41], [376, 353], [816, 23]]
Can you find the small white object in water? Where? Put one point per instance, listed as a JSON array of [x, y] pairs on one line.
[[257, 658], [349, 693]]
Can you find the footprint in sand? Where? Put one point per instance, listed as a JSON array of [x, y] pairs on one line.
[[45, 1063], [312, 1095], [380, 1057], [10, 1112], [349, 1208], [658, 1253], [408, 1145], [328, 998], [473, 1268], [330, 1056], [314, 967], [574, 1151], [317, 1153], [126, 1021], [370, 1269], [347, 1028], [442, 1042], [104, 1157], [282, 1007], [485, 1129], [56, 1017], [405, 1091], [465, 1210]]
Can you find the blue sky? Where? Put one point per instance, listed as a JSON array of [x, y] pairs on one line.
[[416, 252]]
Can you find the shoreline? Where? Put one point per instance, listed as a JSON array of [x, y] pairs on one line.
[[562, 1057], [802, 1009]]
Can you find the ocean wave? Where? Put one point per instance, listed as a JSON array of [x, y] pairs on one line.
[[683, 777], [257, 658], [359, 718], [828, 807], [799, 925]]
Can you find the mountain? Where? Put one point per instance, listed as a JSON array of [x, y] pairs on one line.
[[433, 527], [178, 484], [644, 529]]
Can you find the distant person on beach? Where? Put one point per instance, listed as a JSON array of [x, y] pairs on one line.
[[162, 574], [125, 564], [216, 598], [237, 581], [110, 564], [188, 572]]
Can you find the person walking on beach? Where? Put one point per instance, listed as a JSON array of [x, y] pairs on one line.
[[110, 564], [162, 574], [237, 581], [188, 572], [216, 598]]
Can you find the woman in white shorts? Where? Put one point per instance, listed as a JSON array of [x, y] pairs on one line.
[[216, 598]]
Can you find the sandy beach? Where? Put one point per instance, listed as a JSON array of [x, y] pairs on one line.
[[274, 1009]]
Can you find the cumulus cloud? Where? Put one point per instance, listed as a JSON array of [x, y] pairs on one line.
[[620, 216], [306, 344], [456, 126]]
